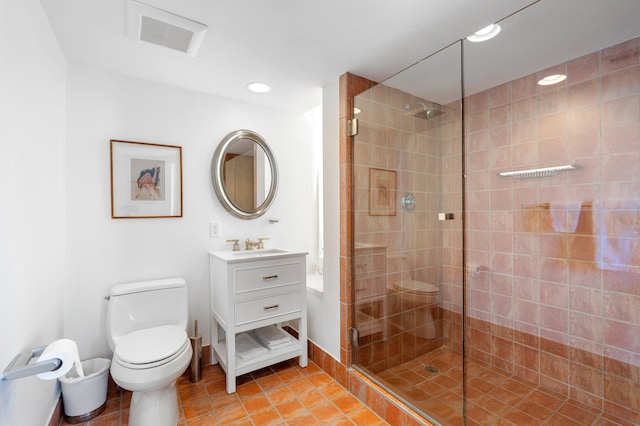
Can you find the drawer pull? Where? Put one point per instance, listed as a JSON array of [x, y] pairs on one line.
[[269, 277], [266, 308]]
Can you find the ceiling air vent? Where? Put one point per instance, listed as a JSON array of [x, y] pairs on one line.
[[166, 29]]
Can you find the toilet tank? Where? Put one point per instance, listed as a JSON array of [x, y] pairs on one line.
[[146, 304]]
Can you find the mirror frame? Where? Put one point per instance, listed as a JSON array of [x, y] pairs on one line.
[[217, 177]]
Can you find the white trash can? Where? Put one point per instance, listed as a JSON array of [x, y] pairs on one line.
[[85, 397]]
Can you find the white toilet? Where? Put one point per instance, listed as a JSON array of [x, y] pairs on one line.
[[419, 295], [146, 329]]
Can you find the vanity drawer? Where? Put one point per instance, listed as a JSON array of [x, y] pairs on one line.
[[268, 307], [261, 277]]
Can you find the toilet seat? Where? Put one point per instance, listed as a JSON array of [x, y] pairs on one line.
[[151, 347], [415, 287]]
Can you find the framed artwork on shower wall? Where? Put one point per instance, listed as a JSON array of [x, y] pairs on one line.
[[146, 180], [382, 192]]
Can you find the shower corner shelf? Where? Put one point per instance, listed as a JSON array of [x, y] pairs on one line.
[[535, 173]]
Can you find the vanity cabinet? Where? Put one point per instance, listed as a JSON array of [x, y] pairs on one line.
[[255, 289]]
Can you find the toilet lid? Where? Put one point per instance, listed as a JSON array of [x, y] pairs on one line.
[[415, 286], [151, 345]]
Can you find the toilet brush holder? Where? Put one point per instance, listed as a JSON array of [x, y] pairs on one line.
[[196, 356]]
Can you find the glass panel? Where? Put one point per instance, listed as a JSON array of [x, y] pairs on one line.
[[552, 257], [407, 263]]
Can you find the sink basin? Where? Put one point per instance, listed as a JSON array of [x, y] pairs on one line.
[[247, 254]]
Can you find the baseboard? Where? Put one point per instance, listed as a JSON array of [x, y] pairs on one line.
[[56, 416]]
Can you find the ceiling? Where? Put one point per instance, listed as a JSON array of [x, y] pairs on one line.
[[297, 47]]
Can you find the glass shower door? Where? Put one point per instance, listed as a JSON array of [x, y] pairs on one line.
[[407, 221]]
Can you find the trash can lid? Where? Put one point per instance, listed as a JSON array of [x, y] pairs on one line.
[[151, 344]]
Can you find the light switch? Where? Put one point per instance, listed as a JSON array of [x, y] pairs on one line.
[[214, 230]]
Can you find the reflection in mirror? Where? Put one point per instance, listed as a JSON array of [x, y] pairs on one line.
[[244, 174]]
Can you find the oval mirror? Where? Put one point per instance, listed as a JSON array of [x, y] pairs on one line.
[[244, 174]]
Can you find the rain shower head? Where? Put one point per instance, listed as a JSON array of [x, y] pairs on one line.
[[422, 110]]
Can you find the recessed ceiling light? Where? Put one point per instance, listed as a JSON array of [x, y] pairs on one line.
[[258, 87], [552, 79], [487, 33]]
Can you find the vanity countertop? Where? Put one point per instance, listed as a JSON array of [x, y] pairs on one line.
[[256, 254]]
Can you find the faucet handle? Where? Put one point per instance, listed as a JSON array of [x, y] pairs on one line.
[[261, 243], [236, 246]]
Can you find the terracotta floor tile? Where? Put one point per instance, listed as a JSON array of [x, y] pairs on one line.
[[545, 399], [312, 398], [197, 408], [290, 409], [493, 405], [343, 421], [326, 413], [579, 413], [517, 387], [320, 379], [266, 417], [256, 403], [192, 393], [303, 420], [480, 384], [289, 394], [437, 409], [347, 403], [310, 369], [301, 386], [249, 389], [481, 415], [279, 395], [560, 420], [364, 417], [332, 390], [212, 373], [534, 410], [230, 412], [246, 421], [520, 418], [270, 382], [223, 400], [203, 421], [112, 419], [290, 375], [216, 387]]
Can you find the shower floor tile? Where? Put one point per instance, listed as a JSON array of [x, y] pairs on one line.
[[493, 397]]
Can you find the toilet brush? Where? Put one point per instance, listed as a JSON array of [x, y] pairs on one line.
[[196, 356]]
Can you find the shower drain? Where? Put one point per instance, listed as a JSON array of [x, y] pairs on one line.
[[431, 369]]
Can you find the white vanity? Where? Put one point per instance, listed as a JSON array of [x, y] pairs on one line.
[[253, 289]]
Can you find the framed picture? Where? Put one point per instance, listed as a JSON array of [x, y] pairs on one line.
[[382, 192], [146, 180]]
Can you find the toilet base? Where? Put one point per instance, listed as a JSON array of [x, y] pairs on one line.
[[154, 408]]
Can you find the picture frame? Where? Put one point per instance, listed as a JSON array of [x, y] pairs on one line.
[[146, 180], [382, 192]]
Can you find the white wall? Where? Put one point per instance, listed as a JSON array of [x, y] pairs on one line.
[[104, 251], [32, 214], [60, 251], [324, 310]]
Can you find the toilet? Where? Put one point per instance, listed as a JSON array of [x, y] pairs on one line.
[[417, 295], [146, 330]]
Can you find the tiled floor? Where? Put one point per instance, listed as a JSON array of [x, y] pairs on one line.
[[493, 397], [284, 394]]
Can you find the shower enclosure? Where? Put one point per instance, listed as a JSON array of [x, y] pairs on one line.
[[496, 225]]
